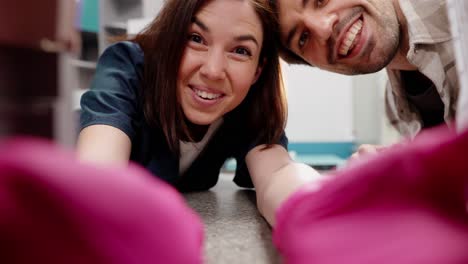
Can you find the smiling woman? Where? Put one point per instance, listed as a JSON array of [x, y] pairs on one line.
[[220, 62], [199, 85]]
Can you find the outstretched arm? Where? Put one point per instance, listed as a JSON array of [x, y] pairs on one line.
[[103, 144], [276, 176]]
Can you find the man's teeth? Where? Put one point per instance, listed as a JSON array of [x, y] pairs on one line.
[[350, 38], [206, 95]]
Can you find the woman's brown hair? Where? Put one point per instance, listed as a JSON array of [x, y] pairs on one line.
[[163, 43]]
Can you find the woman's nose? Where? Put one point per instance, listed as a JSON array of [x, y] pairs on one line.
[[214, 66]]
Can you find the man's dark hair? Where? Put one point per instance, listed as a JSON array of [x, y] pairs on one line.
[[285, 53]]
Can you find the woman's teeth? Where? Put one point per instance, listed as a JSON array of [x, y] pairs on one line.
[[207, 95], [350, 39]]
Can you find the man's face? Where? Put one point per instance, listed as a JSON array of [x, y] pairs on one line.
[[343, 36]]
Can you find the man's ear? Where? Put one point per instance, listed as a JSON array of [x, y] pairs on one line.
[[259, 70]]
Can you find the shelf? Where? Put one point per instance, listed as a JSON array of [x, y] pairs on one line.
[[320, 162], [91, 65], [116, 28], [77, 97], [125, 6], [135, 26]]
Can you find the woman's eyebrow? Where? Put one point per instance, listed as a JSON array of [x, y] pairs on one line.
[[247, 37], [197, 22]]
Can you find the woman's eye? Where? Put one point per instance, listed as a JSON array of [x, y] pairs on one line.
[[303, 39], [243, 51], [196, 38]]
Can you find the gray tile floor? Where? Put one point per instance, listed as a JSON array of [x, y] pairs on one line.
[[235, 232]]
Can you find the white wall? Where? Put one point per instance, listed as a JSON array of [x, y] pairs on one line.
[[151, 7], [328, 107], [388, 134], [320, 105], [368, 109], [371, 125]]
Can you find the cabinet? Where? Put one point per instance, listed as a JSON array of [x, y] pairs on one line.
[[84, 64], [113, 17], [105, 23], [115, 14], [34, 97]]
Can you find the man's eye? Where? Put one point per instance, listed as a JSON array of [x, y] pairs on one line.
[[320, 3], [243, 51], [196, 38], [303, 39]]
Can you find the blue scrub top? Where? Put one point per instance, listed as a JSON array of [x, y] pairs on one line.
[[115, 100]]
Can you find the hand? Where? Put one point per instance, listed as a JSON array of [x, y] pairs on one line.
[[366, 150]]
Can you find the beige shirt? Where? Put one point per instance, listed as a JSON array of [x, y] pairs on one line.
[[431, 51], [189, 151], [458, 16]]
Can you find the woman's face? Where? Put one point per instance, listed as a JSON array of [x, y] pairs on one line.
[[220, 61]]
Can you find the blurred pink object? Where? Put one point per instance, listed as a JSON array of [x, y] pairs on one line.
[[56, 210], [405, 205]]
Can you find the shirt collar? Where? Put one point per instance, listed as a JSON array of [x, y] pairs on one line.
[[427, 21]]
